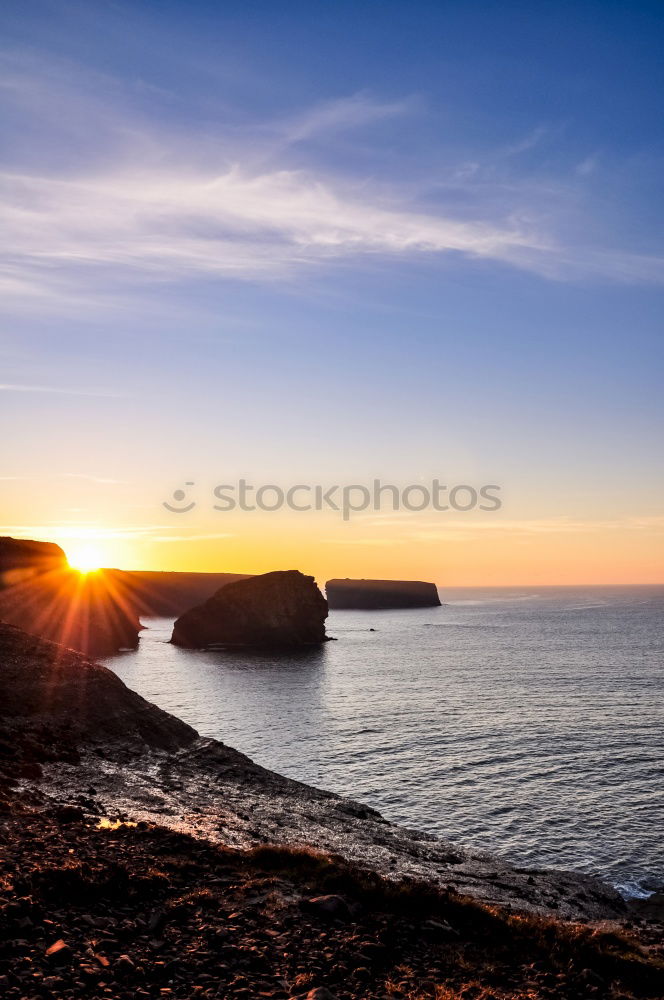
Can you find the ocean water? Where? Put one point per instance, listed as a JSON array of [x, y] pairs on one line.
[[526, 722]]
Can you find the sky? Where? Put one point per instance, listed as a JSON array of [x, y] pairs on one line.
[[314, 243]]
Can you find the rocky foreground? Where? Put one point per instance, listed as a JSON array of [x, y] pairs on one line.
[[215, 892]]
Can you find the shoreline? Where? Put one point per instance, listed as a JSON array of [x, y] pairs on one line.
[[165, 773], [593, 845]]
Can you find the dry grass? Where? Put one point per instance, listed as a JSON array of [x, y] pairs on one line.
[[488, 937]]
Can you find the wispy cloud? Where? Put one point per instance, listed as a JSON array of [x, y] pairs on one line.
[[407, 527], [148, 204], [587, 166], [78, 529], [331, 117], [58, 390], [89, 530], [232, 223], [351, 540], [103, 480], [193, 538], [528, 142]]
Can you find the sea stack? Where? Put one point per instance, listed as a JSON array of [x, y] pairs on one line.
[[375, 595], [276, 610], [41, 594]]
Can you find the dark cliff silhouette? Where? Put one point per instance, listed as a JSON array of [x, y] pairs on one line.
[[92, 613], [377, 594], [167, 595]]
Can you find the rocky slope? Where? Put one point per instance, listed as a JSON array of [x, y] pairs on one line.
[[380, 594], [280, 609], [47, 687]]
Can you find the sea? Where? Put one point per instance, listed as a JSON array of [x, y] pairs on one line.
[[528, 722]]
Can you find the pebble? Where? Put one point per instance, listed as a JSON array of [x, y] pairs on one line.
[[330, 906]]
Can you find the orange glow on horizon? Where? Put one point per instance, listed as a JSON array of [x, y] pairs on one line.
[[494, 552]]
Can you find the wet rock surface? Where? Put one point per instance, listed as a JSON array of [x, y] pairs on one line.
[[284, 609], [215, 792]]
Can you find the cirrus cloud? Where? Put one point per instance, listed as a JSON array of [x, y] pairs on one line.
[[134, 199]]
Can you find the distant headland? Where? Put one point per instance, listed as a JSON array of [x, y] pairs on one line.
[[374, 595]]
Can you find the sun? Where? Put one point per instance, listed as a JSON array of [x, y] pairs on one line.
[[85, 558]]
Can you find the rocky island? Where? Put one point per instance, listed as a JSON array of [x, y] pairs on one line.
[[138, 859], [283, 609], [375, 595]]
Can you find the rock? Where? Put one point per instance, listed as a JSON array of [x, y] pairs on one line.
[[59, 953], [439, 928], [32, 771], [280, 609], [42, 595], [331, 907], [377, 594], [652, 907], [156, 921], [590, 978], [69, 814], [374, 952], [320, 993], [124, 966]]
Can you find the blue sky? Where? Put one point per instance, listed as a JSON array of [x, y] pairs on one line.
[[332, 240]]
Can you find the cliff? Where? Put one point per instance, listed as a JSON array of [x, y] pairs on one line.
[[280, 609], [23, 559], [168, 595], [380, 594], [39, 593]]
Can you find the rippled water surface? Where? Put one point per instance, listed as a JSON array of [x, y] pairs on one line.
[[526, 722]]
